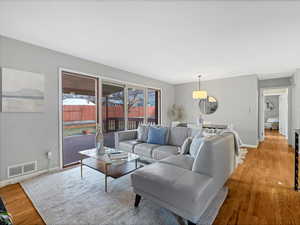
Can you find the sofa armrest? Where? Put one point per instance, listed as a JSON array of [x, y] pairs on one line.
[[124, 136]]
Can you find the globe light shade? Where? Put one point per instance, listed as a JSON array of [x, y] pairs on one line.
[[199, 94], [211, 99]]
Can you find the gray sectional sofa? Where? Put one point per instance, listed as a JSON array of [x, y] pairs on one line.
[[128, 141], [189, 187]]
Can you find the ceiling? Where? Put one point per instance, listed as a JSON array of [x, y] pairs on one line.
[[172, 41]]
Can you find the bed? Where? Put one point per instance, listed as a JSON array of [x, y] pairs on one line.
[[272, 123]]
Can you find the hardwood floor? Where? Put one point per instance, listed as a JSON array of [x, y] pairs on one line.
[[20, 206], [260, 190]]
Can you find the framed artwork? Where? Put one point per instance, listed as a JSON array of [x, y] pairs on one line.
[[21, 91]]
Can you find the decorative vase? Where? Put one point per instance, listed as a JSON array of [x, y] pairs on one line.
[[99, 141]]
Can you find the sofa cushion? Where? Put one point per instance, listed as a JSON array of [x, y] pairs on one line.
[[128, 146], [157, 135], [182, 161], [142, 133], [144, 149], [177, 135], [175, 186], [164, 151]]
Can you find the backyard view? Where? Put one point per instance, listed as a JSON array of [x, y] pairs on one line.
[[80, 113]]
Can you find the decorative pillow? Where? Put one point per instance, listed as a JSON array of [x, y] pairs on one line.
[[185, 148], [157, 135], [195, 146], [167, 134], [196, 132], [142, 133]]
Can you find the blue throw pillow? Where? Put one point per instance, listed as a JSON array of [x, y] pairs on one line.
[[157, 135]]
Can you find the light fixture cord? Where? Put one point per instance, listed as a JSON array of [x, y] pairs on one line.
[[199, 82]]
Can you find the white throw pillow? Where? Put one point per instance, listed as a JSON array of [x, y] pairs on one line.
[[142, 133], [195, 146], [185, 148]]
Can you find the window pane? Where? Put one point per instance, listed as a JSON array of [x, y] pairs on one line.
[[135, 108], [79, 115], [153, 106], [112, 108], [112, 112]]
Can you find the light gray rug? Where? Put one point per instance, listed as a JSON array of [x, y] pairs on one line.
[[63, 198], [242, 156]]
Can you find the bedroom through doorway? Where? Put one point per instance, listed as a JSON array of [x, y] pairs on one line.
[[275, 111]]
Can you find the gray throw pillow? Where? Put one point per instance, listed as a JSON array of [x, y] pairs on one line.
[[195, 146], [142, 133], [185, 148]]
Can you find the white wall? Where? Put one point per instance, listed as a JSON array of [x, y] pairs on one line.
[[28, 136], [283, 114], [238, 104]]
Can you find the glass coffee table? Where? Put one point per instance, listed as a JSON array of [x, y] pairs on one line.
[[111, 164]]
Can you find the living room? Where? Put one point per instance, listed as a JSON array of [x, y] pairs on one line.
[[119, 76]]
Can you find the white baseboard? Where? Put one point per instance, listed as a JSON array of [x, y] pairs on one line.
[[249, 146], [27, 176]]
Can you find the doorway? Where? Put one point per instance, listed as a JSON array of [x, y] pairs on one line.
[[79, 115], [276, 112]]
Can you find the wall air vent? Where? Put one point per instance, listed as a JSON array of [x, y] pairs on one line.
[[22, 169]]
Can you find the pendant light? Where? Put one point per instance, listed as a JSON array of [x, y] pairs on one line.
[[199, 94]]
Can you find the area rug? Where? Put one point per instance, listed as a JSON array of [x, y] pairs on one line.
[[242, 156], [63, 198]]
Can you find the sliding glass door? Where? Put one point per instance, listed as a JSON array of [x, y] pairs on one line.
[[79, 114], [113, 111], [86, 100], [135, 107], [153, 106]]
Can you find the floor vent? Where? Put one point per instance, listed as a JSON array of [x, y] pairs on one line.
[[22, 169]]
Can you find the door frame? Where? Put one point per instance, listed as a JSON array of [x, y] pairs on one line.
[[99, 95], [261, 134], [60, 105]]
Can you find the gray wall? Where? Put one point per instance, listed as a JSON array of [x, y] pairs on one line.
[[238, 104], [274, 99], [295, 104], [278, 82], [28, 136]]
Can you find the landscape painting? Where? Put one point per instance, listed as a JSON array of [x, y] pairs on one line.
[[21, 91]]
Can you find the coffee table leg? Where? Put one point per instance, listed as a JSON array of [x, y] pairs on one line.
[[136, 162], [105, 177], [81, 168]]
